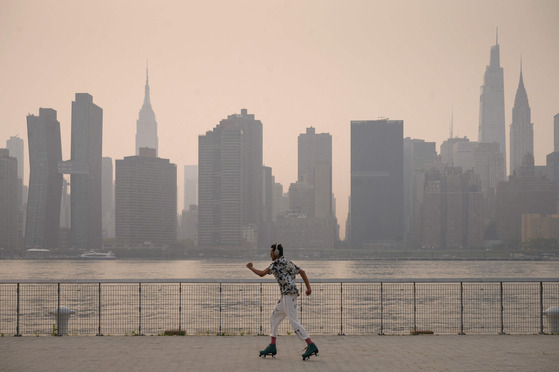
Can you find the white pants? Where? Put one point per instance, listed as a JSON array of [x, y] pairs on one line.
[[287, 306]]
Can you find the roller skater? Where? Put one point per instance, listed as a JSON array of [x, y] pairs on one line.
[[285, 272]]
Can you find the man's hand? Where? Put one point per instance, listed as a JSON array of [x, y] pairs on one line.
[[260, 273], [306, 280]]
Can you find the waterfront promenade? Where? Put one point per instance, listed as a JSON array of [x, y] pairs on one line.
[[239, 353]]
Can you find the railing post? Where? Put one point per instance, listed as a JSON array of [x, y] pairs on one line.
[[301, 303], [381, 311], [461, 309], [541, 308], [180, 306], [99, 328], [502, 309], [341, 309], [220, 333], [17, 312], [260, 333], [58, 312], [139, 309], [414, 311]]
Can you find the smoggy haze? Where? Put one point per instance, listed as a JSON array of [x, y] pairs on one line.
[[292, 64]]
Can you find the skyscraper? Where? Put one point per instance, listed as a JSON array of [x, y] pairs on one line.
[[15, 146], [230, 180], [107, 206], [523, 193], [487, 164], [301, 199], [377, 185], [556, 133], [146, 200], [447, 150], [417, 154], [190, 186], [521, 129], [9, 200], [484, 158], [86, 173], [452, 211], [45, 183], [266, 226], [492, 105], [315, 169], [189, 216], [146, 126], [552, 159]]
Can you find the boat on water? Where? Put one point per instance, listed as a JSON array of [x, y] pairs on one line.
[[92, 255]]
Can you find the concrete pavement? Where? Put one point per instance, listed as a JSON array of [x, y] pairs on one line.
[[234, 353]]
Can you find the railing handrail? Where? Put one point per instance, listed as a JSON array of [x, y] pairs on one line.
[[271, 280]]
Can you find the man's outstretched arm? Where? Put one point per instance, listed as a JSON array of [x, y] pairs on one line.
[[260, 273]]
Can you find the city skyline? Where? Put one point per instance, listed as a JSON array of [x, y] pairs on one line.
[[314, 65]]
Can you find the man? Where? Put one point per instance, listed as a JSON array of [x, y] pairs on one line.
[[285, 272]]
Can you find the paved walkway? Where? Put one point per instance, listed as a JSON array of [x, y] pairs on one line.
[[234, 353]]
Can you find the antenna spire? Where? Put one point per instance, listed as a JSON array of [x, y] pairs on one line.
[[146, 97]]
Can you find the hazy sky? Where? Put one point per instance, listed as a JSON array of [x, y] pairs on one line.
[[293, 64]]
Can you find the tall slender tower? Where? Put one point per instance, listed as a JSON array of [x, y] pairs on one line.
[[45, 183], [521, 129], [492, 105], [86, 173], [146, 126]]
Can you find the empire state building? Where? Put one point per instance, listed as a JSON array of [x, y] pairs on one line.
[[146, 126], [492, 106]]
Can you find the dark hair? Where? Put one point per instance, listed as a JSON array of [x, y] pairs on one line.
[[278, 247]]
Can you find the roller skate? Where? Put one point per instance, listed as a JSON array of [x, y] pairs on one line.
[[310, 350], [270, 350]]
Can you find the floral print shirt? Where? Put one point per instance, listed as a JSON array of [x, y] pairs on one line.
[[285, 272]]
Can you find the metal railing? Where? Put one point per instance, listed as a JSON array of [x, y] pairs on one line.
[[240, 307]]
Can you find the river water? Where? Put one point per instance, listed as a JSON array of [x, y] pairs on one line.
[[231, 269]]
